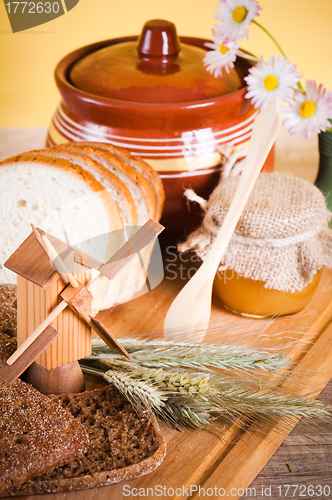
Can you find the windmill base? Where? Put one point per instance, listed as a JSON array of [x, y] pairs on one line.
[[62, 380]]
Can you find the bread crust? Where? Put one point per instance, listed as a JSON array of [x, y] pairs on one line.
[[141, 166], [133, 179], [122, 427]]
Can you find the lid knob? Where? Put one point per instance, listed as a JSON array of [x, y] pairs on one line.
[[158, 38]]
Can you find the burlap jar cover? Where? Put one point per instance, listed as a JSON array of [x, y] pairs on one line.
[[282, 237]]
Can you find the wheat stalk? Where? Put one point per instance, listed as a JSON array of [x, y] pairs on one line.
[[188, 384], [160, 353], [194, 400], [166, 394]]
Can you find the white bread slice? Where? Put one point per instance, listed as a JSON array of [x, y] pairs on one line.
[[57, 196], [137, 184], [132, 279], [120, 193], [141, 166]]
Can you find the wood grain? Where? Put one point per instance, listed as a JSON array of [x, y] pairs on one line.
[[64, 379], [10, 372], [35, 304], [219, 463], [31, 262], [256, 446], [79, 298], [308, 453]]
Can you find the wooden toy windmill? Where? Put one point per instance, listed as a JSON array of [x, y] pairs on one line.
[[53, 308]]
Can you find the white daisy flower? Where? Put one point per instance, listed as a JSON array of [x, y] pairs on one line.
[[309, 112], [234, 16], [269, 81], [222, 55]]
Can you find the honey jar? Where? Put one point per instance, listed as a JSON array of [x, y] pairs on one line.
[[273, 262]]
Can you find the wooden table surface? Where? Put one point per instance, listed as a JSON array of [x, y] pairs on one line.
[[305, 457]]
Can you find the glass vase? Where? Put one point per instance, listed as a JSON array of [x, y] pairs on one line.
[[324, 177]]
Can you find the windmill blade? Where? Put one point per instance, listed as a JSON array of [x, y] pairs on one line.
[[85, 259], [142, 238], [108, 338], [11, 371], [38, 332], [56, 261], [104, 334]]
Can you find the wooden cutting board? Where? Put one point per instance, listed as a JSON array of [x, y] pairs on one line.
[[224, 467]]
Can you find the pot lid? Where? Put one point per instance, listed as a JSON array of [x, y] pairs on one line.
[[156, 68]]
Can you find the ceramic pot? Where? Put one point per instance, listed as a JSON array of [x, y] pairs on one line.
[[152, 95], [324, 176]]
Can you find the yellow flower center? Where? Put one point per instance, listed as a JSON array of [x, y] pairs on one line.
[[223, 49], [270, 82], [239, 14], [307, 109]]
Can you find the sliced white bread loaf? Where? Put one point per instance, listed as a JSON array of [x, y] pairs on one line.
[[50, 200], [146, 188]]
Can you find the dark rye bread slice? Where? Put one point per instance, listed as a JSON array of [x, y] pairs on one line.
[[8, 321], [36, 434], [8, 346], [8, 309], [123, 445]]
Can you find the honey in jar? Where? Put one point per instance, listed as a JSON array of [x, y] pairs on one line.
[[250, 298]]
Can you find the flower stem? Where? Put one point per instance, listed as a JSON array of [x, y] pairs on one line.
[[300, 87], [272, 37], [279, 48], [244, 55]]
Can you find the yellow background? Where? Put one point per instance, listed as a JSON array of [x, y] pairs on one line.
[[28, 94]]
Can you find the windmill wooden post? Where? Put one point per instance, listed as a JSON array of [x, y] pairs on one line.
[[39, 286]]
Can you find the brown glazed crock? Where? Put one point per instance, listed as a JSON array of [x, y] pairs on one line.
[[152, 95]]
